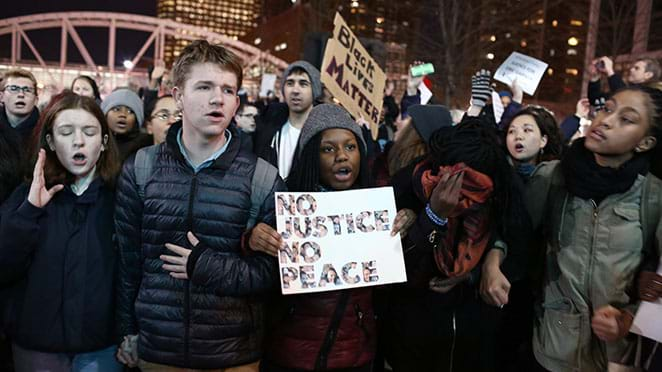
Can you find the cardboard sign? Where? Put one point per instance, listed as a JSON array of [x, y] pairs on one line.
[[338, 240], [352, 76], [268, 84], [647, 321], [527, 70]]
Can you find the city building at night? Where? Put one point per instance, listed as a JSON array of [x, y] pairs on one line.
[[233, 18], [300, 30]]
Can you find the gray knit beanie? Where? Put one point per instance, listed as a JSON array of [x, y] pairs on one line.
[[313, 74], [124, 97], [328, 116]]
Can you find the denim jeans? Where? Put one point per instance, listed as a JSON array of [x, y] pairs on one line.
[[95, 361]]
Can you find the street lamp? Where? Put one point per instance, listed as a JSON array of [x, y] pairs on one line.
[[128, 64]]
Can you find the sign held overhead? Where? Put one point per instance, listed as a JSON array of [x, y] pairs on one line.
[[527, 70], [352, 75]]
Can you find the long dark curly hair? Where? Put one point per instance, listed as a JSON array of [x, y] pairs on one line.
[[476, 144]]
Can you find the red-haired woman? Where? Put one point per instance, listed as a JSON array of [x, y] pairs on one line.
[[57, 247]]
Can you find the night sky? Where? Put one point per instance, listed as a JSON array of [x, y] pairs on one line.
[[48, 41]]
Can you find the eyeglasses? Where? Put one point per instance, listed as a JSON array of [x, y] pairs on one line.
[[14, 89], [164, 115]]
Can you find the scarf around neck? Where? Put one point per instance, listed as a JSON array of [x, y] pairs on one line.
[[585, 178], [468, 224]]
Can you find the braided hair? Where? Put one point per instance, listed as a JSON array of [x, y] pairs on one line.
[[655, 95], [476, 144], [305, 173]]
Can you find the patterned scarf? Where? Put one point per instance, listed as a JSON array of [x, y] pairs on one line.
[[468, 224]]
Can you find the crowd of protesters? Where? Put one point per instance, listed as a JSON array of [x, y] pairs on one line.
[[137, 230]]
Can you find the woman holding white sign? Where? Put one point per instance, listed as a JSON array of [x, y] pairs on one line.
[[330, 330]]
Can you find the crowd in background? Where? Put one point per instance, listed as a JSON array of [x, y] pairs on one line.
[[137, 230]]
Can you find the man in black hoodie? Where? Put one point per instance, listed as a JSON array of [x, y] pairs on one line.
[[276, 139]]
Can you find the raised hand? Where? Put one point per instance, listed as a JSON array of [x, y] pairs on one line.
[[607, 66], [480, 88], [39, 195], [413, 81], [446, 195], [389, 88], [159, 69], [157, 73], [583, 108], [518, 94]]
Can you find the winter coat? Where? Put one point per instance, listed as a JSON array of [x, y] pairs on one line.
[[214, 319], [593, 255], [24, 129], [424, 330], [61, 264], [303, 327]]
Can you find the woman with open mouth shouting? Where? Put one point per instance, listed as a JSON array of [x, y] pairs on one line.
[[599, 209], [57, 249]]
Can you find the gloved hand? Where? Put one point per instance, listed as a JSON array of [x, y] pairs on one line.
[[480, 88]]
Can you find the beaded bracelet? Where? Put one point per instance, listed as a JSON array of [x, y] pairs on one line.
[[434, 218]]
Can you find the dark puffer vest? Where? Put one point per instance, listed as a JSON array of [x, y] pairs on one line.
[[214, 319]]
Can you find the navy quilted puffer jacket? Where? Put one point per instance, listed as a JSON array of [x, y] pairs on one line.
[[214, 319]]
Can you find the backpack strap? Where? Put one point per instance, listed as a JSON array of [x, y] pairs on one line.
[[143, 165], [651, 211], [263, 180], [332, 331]]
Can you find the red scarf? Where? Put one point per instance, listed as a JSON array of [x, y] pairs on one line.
[[468, 224]]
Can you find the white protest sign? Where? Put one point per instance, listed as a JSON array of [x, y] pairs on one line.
[[268, 84], [338, 240], [527, 70], [497, 106], [647, 321], [426, 93]]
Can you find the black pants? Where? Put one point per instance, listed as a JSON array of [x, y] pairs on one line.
[[428, 331]]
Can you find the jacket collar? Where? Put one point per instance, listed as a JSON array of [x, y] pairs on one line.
[[25, 127], [222, 163]]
